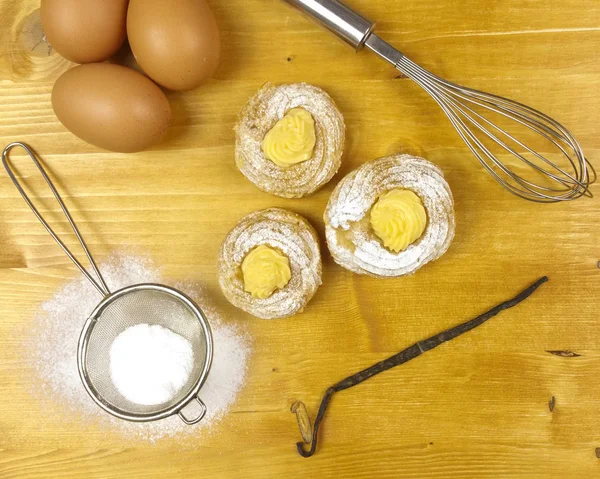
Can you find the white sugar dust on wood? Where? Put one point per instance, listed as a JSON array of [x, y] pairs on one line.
[[54, 358]]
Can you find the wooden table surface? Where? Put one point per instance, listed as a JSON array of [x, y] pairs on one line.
[[477, 407]]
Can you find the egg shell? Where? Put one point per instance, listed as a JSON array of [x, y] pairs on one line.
[[85, 31], [111, 106], [177, 42]]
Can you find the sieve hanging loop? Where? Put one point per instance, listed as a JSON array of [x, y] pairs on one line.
[[198, 418], [99, 284]]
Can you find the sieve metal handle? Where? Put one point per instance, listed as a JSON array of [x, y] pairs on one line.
[[198, 418], [100, 285]]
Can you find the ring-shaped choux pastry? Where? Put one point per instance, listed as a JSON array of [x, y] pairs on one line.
[[390, 217], [289, 139], [270, 264]]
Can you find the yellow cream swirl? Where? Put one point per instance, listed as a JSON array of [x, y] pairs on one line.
[[292, 140], [398, 219], [265, 269]]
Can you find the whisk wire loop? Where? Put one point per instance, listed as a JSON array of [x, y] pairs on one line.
[[459, 103]]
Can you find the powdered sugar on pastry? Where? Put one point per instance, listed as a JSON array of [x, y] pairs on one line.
[[295, 238], [350, 237], [259, 116]]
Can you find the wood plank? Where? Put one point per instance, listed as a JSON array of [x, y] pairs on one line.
[[475, 408]]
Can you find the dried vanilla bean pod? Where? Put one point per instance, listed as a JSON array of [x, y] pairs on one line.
[[410, 353]]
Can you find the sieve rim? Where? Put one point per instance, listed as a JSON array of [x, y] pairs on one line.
[[84, 339]]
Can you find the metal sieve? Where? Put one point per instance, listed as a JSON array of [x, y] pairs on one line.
[[152, 304]]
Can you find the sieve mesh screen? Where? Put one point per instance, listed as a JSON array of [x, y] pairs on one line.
[[145, 305]]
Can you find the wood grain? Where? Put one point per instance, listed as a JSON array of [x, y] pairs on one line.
[[475, 408]]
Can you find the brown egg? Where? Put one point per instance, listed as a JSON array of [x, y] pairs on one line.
[[85, 31], [111, 106], [176, 43]]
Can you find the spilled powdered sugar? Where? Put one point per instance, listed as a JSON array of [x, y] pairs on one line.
[[53, 351]]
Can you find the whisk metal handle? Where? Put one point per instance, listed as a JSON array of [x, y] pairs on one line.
[[347, 24], [100, 285]]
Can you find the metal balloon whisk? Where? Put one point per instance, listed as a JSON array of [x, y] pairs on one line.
[[477, 116]]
